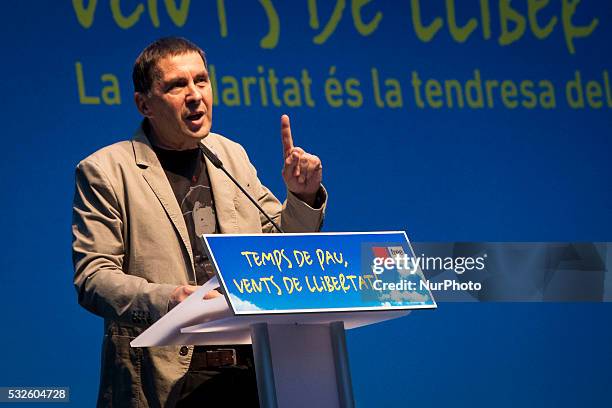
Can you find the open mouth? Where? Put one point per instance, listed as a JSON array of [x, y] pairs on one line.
[[194, 116]]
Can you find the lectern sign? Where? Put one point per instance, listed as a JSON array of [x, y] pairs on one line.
[[292, 273]]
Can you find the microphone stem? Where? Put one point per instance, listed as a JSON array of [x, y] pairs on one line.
[[255, 203]]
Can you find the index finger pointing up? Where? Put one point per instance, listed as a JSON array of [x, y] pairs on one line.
[[286, 135]]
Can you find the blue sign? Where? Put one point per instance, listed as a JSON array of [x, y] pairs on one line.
[[295, 273]]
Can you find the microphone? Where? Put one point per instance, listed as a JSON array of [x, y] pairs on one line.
[[214, 159]]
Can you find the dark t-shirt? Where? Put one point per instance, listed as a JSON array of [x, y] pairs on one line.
[[188, 177]]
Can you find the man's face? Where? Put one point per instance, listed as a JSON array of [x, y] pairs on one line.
[[179, 104]]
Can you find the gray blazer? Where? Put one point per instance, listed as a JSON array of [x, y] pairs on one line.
[[131, 249]]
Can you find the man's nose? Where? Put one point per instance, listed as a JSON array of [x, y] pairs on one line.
[[194, 95]]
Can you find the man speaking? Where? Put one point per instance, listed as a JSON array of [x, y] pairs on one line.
[[139, 209]]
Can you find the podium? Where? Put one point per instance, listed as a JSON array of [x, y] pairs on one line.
[[299, 347]]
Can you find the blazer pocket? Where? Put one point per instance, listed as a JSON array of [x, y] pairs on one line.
[[121, 368]]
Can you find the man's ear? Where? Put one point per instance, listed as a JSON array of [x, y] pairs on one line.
[[142, 103]]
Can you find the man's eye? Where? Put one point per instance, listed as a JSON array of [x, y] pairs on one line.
[[174, 89], [202, 83]]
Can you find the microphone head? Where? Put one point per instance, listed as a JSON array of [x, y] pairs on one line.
[[211, 156]]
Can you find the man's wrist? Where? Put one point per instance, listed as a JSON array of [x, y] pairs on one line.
[[314, 200]]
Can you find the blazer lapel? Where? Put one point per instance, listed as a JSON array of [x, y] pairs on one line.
[[154, 175], [223, 190]]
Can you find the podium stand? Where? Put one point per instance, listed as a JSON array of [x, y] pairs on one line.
[[301, 359], [300, 355]]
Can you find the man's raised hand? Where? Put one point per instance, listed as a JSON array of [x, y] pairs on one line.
[[302, 171]]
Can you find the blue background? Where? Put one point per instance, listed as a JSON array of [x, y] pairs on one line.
[[441, 175]]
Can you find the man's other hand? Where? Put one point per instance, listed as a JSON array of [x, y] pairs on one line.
[[302, 171], [183, 292], [212, 294]]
